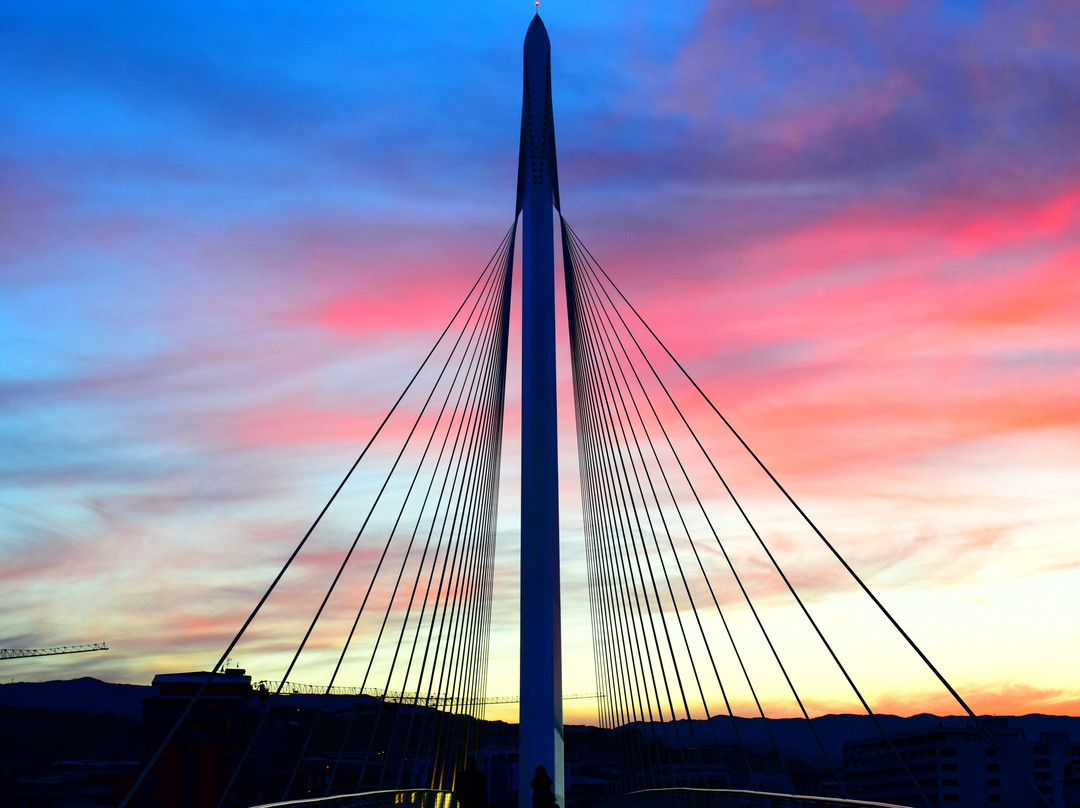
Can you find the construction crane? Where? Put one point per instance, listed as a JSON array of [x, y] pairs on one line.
[[20, 653]]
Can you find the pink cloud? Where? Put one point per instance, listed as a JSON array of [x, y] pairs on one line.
[[29, 212], [1020, 222], [879, 320], [298, 420], [420, 304], [793, 130]]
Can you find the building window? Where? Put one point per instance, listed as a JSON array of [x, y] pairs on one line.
[[993, 798], [995, 783], [992, 767]]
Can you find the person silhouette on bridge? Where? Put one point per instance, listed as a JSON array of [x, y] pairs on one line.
[[543, 796], [470, 787]]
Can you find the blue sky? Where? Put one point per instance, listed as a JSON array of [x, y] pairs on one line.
[[226, 230]]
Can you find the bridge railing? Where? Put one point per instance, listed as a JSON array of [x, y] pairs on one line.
[[422, 797], [648, 798], [731, 798]]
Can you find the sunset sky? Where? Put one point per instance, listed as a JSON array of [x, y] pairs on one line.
[[229, 231]]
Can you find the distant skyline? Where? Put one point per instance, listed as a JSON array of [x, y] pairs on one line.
[[227, 236]]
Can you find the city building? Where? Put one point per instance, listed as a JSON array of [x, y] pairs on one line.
[[960, 766], [199, 761]]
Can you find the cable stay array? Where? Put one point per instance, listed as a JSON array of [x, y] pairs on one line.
[[400, 563], [693, 579], [691, 599]]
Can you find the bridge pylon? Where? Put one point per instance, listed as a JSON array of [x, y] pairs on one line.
[[540, 717]]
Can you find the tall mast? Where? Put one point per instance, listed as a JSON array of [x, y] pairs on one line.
[[540, 719]]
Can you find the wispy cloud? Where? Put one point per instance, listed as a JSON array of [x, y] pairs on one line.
[[226, 241]]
